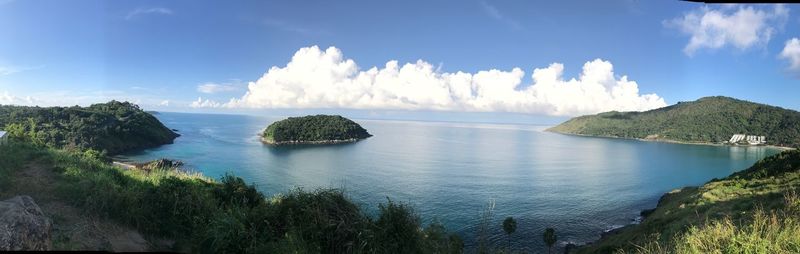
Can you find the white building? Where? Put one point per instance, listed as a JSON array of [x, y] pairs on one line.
[[749, 139], [736, 138], [3, 137]]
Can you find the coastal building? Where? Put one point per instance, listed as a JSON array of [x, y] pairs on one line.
[[736, 138], [748, 139], [3, 137]]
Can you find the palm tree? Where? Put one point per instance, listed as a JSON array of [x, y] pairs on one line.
[[509, 225], [550, 238]]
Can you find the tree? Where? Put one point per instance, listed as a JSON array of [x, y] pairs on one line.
[[550, 238], [509, 225]]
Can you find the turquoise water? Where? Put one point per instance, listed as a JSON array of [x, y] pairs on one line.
[[450, 171]]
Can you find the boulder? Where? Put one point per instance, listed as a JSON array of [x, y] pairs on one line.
[[161, 164], [23, 226]]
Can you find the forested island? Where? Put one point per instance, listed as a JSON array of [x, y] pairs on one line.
[[315, 129], [112, 127], [706, 120]]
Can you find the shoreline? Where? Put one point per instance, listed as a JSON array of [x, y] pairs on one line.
[[644, 213], [783, 148], [303, 142]]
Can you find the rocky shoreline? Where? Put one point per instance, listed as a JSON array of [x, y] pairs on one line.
[[607, 233], [308, 142]]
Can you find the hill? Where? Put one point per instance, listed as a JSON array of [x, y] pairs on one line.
[[707, 120], [317, 129], [751, 211], [114, 127]]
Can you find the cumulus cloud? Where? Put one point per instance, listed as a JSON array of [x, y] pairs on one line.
[[791, 52], [146, 11], [206, 103], [164, 103], [739, 26], [325, 79], [7, 99]]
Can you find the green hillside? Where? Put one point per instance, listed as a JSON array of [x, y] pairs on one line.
[[707, 120], [752, 211], [114, 127], [314, 129]]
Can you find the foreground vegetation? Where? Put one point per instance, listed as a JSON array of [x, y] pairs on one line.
[[228, 216], [707, 120], [752, 211], [314, 129], [112, 127]]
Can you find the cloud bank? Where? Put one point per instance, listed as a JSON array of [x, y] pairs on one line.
[[325, 79], [7, 98], [739, 26], [791, 52]]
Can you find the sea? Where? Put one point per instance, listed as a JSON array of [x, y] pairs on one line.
[[454, 173]]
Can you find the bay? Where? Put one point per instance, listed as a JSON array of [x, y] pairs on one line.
[[449, 172]]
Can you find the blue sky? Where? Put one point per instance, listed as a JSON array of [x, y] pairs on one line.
[[165, 55]]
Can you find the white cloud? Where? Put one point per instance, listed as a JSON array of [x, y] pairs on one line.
[[739, 26], [146, 11], [211, 88], [791, 52], [7, 99], [164, 103], [324, 79], [207, 103]]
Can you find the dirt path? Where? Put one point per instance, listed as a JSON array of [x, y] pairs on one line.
[[72, 228]]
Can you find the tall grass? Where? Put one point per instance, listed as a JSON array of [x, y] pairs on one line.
[[776, 231]]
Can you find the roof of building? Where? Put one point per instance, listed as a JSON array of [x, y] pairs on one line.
[[2, 134]]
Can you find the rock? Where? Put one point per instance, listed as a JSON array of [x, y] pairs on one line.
[[23, 226], [161, 164]]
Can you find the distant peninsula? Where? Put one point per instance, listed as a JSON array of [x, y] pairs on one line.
[[114, 127], [315, 129], [708, 120]]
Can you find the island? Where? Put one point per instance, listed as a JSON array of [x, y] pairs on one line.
[[314, 129], [708, 120]]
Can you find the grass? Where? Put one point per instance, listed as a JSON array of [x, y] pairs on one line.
[[227, 215], [752, 211], [777, 231]]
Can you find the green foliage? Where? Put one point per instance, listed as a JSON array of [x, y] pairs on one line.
[[228, 216], [398, 229], [12, 157], [318, 128], [549, 238], [509, 226], [113, 127], [709, 119], [751, 211], [233, 191]]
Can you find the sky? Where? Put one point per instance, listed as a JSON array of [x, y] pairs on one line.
[[491, 61]]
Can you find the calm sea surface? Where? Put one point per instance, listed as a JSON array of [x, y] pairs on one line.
[[450, 171]]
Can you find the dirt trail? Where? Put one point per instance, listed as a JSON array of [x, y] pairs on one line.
[[73, 229]]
